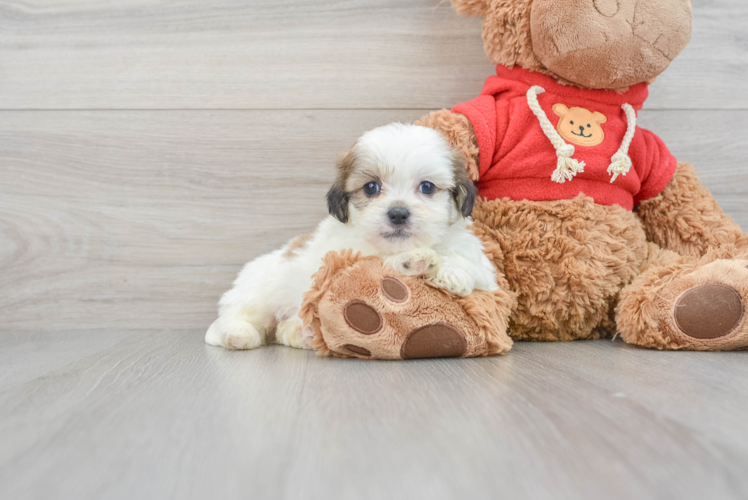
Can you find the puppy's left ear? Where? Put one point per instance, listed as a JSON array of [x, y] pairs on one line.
[[464, 191], [338, 197]]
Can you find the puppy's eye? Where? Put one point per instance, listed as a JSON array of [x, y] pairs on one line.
[[427, 188], [571, 122], [371, 188]]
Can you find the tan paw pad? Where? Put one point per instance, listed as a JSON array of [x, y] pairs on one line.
[[358, 350], [394, 290], [362, 317], [434, 341], [709, 311]]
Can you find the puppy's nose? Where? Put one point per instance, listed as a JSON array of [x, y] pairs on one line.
[[398, 215]]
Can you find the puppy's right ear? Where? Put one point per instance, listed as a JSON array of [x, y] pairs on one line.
[[471, 7], [338, 197]]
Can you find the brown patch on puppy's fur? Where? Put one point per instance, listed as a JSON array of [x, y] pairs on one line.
[[338, 195], [298, 243], [464, 190], [354, 184], [459, 132], [348, 187]]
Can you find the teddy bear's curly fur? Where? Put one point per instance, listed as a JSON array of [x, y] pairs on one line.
[[672, 273]]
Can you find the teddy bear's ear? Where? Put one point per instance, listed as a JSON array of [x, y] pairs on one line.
[[471, 7], [599, 117]]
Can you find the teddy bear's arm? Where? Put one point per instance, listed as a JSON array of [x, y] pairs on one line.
[[459, 133], [687, 219]]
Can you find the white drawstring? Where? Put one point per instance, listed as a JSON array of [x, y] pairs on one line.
[[566, 167], [621, 160]]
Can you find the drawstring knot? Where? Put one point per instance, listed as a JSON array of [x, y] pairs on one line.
[[621, 160], [567, 167], [620, 166], [567, 151]]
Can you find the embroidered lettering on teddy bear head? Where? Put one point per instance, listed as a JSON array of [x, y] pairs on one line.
[[580, 126]]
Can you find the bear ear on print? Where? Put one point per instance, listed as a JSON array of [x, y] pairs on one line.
[[555, 207]]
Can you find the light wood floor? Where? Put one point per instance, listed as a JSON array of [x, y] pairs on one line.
[[157, 414], [149, 148]]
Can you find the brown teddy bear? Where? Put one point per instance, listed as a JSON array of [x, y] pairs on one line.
[[592, 224]]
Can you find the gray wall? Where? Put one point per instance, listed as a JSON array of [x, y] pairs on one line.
[[148, 149]]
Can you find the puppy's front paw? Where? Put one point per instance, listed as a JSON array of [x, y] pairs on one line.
[[418, 262], [455, 280], [233, 334], [293, 333]]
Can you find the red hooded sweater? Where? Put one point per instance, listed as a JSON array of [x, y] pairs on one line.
[[517, 158]]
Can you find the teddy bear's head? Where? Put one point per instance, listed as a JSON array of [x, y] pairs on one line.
[[601, 44]]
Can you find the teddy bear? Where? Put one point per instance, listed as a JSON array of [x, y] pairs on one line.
[[594, 227]]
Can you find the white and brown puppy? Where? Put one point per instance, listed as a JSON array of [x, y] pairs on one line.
[[401, 194]]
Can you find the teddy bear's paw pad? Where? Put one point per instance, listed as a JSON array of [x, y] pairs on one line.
[[394, 290], [434, 341], [362, 317], [709, 311], [358, 350]]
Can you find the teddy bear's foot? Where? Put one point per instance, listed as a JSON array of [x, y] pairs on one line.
[[360, 307], [393, 324], [696, 309]]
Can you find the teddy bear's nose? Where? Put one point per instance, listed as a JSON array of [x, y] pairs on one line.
[[599, 46], [581, 128]]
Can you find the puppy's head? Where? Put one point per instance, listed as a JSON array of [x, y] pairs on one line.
[[402, 186]]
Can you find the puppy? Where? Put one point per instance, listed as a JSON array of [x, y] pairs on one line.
[[401, 194]]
